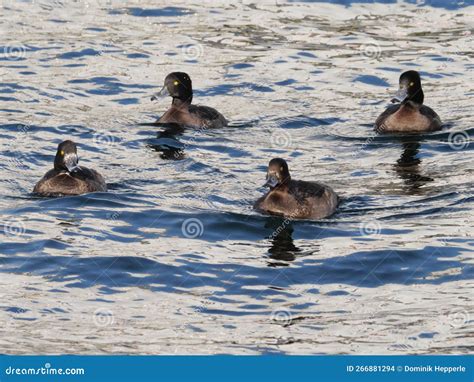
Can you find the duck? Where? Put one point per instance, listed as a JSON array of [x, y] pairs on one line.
[[67, 177], [178, 85], [409, 115], [295, 199]]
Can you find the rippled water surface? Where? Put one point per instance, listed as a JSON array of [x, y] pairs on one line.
[[173, 259]]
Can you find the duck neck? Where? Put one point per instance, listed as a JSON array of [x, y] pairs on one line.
[[417, 97], [60, 168], [59, 164], [284, 185], [180, 103]]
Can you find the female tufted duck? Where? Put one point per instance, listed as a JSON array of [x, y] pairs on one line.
[[67, 177], [178, 85], [295, 199], [410, 115]]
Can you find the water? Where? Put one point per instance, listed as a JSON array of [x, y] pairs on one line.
[[173, 259]]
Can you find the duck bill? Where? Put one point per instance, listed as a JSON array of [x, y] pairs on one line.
[[161, 94], [272, 181], [71, 162], [400, 96]]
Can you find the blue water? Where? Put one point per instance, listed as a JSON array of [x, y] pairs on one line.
[[174, 247]]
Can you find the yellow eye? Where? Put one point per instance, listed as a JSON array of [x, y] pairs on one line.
[[412, 83], [61, 152], [175, 83]]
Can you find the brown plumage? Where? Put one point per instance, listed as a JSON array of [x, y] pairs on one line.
[[178, 85], [193, 116], [410, 115], [295, 199], [67, 178]]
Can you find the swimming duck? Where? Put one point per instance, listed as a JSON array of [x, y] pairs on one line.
[[67, 177], [295, 199], [178, 85], [409, 115]]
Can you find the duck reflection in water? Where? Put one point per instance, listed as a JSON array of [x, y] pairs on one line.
[[407, 166], [282, 247], [167, 143]]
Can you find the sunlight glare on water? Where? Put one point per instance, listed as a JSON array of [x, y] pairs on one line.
[[173, 259]]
